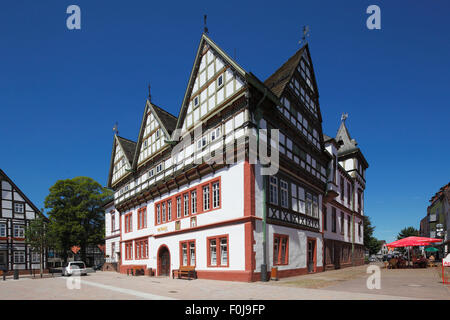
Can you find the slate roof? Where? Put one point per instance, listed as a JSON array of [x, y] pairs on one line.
[[280, 78], [348, 144], [169, 121], [129, 148]]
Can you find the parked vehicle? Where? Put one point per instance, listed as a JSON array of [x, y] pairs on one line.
[[373, 259], [74, 268]]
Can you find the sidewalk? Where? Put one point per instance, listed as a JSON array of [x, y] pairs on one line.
[[412, 283], [109, 285]]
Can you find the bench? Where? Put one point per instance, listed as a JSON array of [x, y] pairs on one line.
[[185, 271]]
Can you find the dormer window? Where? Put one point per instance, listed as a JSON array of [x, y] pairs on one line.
[[159, 168], [151, 173]]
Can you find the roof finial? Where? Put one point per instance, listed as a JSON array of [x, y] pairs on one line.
[[344, 116], [205, 28], [116, 128], [305, 35]]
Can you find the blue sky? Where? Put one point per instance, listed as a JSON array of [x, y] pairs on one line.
[[61, 91]]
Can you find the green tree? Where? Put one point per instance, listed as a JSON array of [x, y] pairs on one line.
[[76, 214], [370, 242], [38, 238], [408, 232]]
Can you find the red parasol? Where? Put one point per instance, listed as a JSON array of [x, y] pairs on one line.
[[412, 242]]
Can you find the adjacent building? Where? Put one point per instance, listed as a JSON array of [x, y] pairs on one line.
[[344, 206], [16, 212], [188, 192]]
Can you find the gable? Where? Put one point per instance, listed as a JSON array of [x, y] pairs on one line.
[[215, 78], [152, 138], [14, 203], [121, 159], [156, 128]]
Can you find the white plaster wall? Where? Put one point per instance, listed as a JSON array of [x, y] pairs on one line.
[[328, 234], [236, 249], [232, 204], [297, 246]]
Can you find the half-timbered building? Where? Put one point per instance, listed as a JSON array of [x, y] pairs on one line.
[[16, 212], [187, 193], [343, 208]]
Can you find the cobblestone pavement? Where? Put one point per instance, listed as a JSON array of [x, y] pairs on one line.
[[412, 283], [339, 284]]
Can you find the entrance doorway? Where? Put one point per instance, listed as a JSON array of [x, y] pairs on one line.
[[163, 261], [311, 255]]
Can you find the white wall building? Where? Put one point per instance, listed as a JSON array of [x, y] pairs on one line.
[[222, 216]]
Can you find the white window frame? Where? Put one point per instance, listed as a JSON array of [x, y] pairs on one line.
[[19, 257], [216, 195], [158, 214], [19, 231], [19, 205], [273, 190], [35, 257], [213, 252], [220, 85], [223, 249], [215, 134], [186, 207], [169, 210], [178, 207], [206, 202], [163, 210], [194, 201]]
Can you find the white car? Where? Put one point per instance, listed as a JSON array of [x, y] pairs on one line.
[[74, 268]]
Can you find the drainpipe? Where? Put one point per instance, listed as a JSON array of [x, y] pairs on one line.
[[258, 117]]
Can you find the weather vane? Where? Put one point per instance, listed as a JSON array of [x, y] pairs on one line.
[[305, 35], [205, 28], [344, 117], [116, 128]]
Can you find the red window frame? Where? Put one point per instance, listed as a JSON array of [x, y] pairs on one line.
[[188, 247], [128, 222], [199, 195], [218, 251], [141, 249], [128, 250], [142, 218], [277, 254]]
